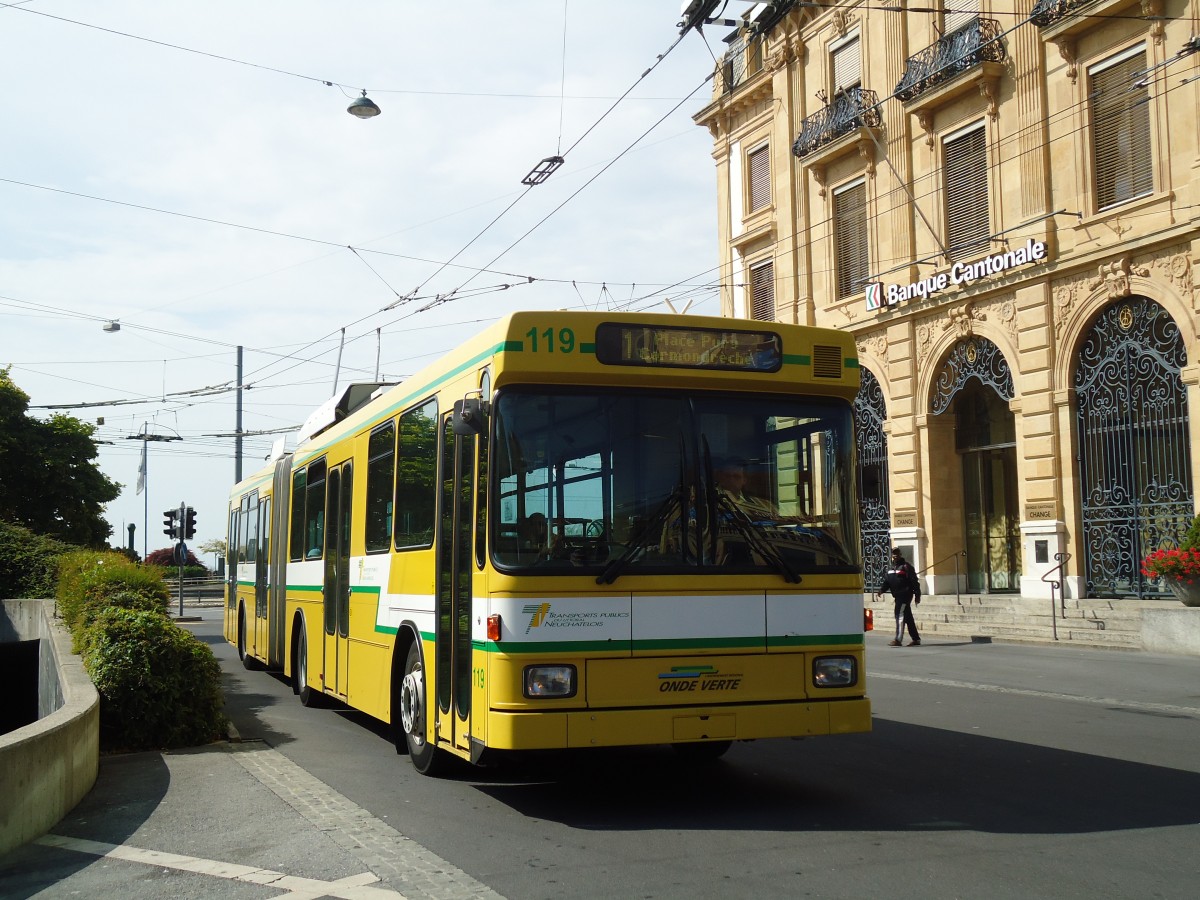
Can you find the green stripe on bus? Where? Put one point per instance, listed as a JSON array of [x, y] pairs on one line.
[[372, 589], [724, 643], [403, 402], [313, 588], [587, 348], [797, 359], [850, 362]]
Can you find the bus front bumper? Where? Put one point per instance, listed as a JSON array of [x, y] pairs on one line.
[[634, 727]]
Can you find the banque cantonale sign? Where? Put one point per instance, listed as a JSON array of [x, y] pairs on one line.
[[879, 295]]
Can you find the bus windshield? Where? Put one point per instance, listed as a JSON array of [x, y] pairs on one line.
[[628, 483]]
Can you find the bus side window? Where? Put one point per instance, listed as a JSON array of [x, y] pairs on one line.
[[314, 507], [296, 537], [416, 478], [381, 477]]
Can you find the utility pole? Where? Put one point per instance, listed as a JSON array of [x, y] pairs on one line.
[[237, 440]]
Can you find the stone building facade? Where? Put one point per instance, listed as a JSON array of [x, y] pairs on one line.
[[1000, 202]]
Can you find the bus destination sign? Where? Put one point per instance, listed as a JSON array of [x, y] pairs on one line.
[[688, 348]]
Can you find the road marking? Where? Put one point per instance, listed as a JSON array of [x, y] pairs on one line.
[[355, 887], [1045, 695], [395, 858]]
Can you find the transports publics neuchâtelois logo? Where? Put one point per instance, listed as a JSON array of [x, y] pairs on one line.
[[879, 295]]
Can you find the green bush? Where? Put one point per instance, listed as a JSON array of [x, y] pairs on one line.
[[87, 579], [159, 686], [28, 562], [136, 601], [1191, 540]]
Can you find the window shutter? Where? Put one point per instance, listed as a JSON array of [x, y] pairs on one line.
[[1121, 131], [760, 178], [966, 180], [762, 292], [853, 259], [957, 13], [847, 65]]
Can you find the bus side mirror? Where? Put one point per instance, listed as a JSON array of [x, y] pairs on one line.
[[469, 417]]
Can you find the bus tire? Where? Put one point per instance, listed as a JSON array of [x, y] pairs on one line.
[[426, 758], [248, 661], [308, 697], [702, 751]]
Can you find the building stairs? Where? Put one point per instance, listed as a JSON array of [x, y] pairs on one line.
[[1114, 624]]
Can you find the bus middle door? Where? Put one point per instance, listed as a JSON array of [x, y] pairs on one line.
[[456, 451], [262, 579], [337, 578]]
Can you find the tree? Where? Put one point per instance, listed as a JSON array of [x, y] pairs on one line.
[[49, 480], [166, 558], [216, 547]]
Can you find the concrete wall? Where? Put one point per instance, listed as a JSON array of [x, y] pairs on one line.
[[1171, 630], [48, 766]]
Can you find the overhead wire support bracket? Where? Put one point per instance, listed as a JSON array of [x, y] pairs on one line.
[[543, 170]]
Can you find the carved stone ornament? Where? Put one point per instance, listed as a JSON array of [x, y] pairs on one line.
[[960, 319], [988, 88], [1066, 49], [784, 50], [818, 174], [1001, 310], [874, 344], [1176, 268], [866, 149], [841, 21], [925, 120], [1153, 10], [1065, 293], [1114, 276]]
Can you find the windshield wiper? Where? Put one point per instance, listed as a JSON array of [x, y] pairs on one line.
[[745, 526], [654, 526]]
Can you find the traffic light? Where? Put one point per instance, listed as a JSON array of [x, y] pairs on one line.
[[170, 528], [189, 524]]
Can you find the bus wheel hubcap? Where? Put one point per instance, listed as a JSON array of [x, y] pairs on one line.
[[410, 705]]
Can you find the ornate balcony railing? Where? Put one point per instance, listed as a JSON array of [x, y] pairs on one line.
[[957, 52], [855, 108], [1047, 12]]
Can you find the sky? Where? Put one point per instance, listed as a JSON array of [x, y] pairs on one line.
[[185, 170]]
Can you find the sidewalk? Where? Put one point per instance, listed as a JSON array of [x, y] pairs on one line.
[[229, 820]]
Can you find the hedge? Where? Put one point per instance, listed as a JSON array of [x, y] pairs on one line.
[[159, 686], [28, 562]]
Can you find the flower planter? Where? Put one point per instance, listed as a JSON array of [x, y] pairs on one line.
[[1188, 593]]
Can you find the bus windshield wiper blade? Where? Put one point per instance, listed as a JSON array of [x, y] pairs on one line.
[[654, 526], [747, 529]]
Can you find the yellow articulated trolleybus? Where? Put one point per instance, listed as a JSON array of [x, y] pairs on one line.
[[576, 530]]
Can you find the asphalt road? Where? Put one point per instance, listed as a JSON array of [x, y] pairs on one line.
[[994, 770]]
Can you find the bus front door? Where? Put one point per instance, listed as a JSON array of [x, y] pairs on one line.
[[454, 553], [337, 578], [262, 579]]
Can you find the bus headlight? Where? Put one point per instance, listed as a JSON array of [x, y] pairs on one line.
[[835, 671], [549, 681]]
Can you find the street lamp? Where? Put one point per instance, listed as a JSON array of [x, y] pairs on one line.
[[363, 107]]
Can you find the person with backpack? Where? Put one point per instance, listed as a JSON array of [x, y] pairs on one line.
[[901, 582]]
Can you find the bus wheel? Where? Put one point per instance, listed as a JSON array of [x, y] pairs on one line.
[[248, 661], [308, 697], [702, 751], [425, 757]]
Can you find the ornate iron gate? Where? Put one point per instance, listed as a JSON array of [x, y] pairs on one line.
[[1134, 443], [874, 509]]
